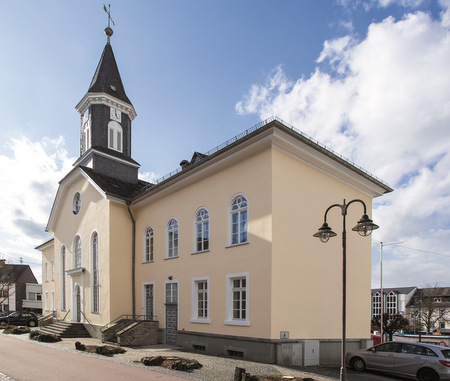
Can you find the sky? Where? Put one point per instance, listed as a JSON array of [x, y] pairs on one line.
[[370, 79]]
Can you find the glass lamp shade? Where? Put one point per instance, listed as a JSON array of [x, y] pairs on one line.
[[324, 233], [365, 226]]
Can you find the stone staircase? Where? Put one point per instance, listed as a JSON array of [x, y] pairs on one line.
[[65, 329]]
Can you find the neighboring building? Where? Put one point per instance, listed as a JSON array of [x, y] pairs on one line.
[[431, 307], [221, 252], [33, 301], [13, 285], [394, 300]]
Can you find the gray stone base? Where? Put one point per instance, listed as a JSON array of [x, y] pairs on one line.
[[282, 352]]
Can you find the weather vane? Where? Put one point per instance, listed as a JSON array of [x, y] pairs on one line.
[[108, 30], [108, 12]]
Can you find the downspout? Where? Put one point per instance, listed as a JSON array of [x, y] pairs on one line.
[[133, 260]]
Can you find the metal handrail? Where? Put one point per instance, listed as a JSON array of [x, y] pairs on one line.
[[67, 313], [127, 317], [86, 318]]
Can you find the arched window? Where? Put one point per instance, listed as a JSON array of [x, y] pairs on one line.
[[201, 230], [148, 245], [172, 238], [376, 304], [63, 277], [95, 274], [391, 303], [115, 136], [77, 252], [238, 220]]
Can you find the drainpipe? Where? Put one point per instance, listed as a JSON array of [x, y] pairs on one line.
[[133, 261]]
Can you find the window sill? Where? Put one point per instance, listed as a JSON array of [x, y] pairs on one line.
[[243, 323], [200, 252], [144, 262], [167, 258], [237, 244], [201, 321]]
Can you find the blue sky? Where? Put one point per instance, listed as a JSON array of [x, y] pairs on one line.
[[370, 79]]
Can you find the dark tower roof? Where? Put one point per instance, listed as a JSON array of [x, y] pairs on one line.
[[107, 78]]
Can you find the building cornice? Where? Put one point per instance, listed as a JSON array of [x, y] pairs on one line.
[[105, 99]]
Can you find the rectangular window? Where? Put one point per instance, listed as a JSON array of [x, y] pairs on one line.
[[172, 293], [200, 300], [38, 296], [31, 296], [237, 308], [46, 300], [111, 138]]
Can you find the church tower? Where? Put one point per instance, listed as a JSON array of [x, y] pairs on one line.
[[106, 114]]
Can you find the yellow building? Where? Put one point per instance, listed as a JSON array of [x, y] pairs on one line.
[[221, 252]]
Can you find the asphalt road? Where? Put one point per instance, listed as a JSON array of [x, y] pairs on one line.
[[24, 361]]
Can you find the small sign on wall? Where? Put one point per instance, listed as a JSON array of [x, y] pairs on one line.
[[284, 334]]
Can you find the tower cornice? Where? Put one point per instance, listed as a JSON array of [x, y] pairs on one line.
[[105, 99]]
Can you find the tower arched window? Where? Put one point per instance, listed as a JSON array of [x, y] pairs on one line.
[[77, 252], [238, 220], [172, 238], [201, 230], [148, 245], [95, 279], [115, 136]]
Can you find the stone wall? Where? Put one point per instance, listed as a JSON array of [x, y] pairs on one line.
[[139, 333]]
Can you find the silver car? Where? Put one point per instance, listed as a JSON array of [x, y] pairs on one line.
[[426, 362]]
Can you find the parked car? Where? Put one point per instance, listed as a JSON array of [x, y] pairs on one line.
[[5, 313], [20, 318], [426, 362]]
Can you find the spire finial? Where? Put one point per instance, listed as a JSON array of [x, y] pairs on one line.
[[108, 31]]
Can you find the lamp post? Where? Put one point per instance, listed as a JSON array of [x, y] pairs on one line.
[[364, 227]]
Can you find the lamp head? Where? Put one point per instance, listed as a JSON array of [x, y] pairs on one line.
[[365, 226], [324, 233]]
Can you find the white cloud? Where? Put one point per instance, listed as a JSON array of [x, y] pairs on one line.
[[29, 175], [384, 102]]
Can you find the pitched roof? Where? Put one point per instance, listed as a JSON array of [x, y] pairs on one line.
[[114, 187], [107, 78], [399, 290]]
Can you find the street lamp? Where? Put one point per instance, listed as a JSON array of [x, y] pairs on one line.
[[364, 227]]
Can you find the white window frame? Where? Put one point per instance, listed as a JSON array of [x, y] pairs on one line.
[[63, 283], [230, 320], [239, 212], [195, 300], [46, 301], [391, 303], [53, 269], [95, 273], [46, 271], [172, 239], [149, 237], [77, 256], [376, 304], [115, 136], [52, 301], [201, 218]]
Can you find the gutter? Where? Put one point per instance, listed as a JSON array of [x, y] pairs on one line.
[[133, 260]]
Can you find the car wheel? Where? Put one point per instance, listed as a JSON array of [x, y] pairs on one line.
[[32, 323], [358, 364], [427, 375]]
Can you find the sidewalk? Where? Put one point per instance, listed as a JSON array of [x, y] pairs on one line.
[[214, 368]]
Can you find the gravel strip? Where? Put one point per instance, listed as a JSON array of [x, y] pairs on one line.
[[214, 367]]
